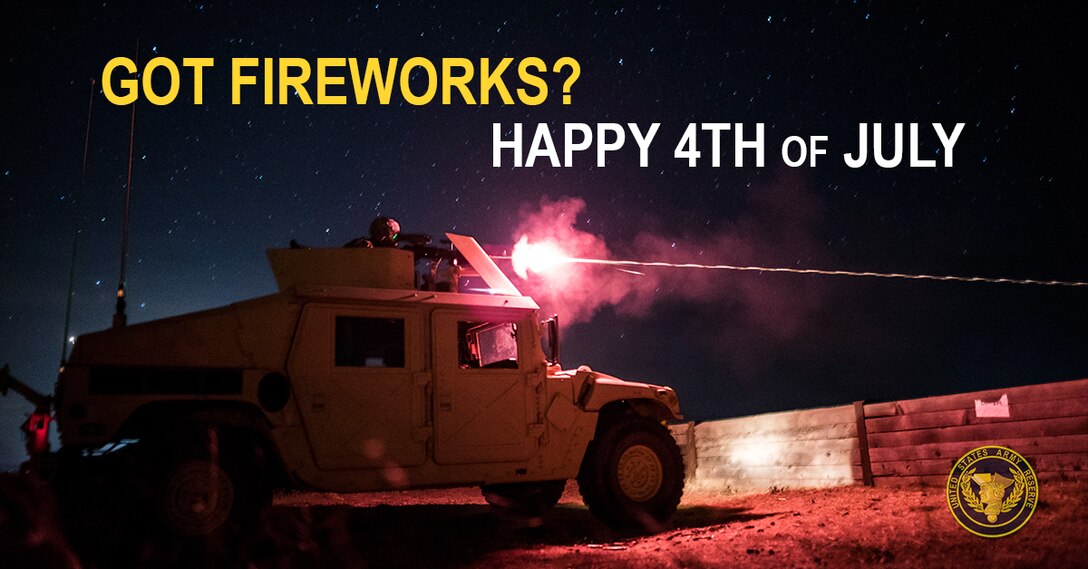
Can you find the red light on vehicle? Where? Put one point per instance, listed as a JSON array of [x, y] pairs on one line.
[[37, 433]]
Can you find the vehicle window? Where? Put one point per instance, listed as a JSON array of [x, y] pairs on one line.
[[488, 345], [369, 342]]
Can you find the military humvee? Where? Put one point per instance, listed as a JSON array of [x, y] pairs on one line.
[[352, 379]]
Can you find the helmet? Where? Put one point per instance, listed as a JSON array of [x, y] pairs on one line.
[[384, 231]]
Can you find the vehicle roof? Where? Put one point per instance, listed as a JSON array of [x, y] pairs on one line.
[[357, 294]]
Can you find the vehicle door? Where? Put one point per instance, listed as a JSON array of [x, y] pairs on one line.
[[359, 376], [485, 406]]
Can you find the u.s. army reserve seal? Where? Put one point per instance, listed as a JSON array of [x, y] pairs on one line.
[[992, 491]]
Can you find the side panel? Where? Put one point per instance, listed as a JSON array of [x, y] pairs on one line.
[[483, 415], [361, 410]]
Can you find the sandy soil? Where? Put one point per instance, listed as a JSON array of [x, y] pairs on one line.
[[838, 527]]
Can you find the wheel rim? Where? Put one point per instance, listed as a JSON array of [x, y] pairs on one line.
[[197, 498], [640, 473]]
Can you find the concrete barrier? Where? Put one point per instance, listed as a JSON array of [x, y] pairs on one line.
[[912, 442]]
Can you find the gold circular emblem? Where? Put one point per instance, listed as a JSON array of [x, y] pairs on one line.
[[992, 491]]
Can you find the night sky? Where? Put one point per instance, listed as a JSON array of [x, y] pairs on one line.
[[215, 185]]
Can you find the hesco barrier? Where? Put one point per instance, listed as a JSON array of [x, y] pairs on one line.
[[913, 442]]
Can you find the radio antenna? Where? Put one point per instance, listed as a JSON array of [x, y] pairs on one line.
[[77, 222], [119, 316]]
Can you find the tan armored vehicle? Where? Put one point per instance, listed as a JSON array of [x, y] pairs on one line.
[[352, 379]]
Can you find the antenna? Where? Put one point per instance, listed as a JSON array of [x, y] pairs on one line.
[[77, 222], [119, 317]]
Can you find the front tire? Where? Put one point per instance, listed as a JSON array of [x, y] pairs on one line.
[[632, 475]]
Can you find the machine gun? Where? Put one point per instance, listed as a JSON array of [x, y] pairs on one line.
[[446, 264]]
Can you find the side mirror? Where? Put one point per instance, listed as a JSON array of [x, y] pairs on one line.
[[551, 333]]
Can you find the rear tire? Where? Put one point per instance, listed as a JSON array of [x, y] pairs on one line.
[[632, 475], [213, 483], [196, 497]]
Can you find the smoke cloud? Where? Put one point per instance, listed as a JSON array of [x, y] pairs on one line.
[[779, 229]]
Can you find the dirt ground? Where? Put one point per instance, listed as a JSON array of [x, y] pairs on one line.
[[838, 527]]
